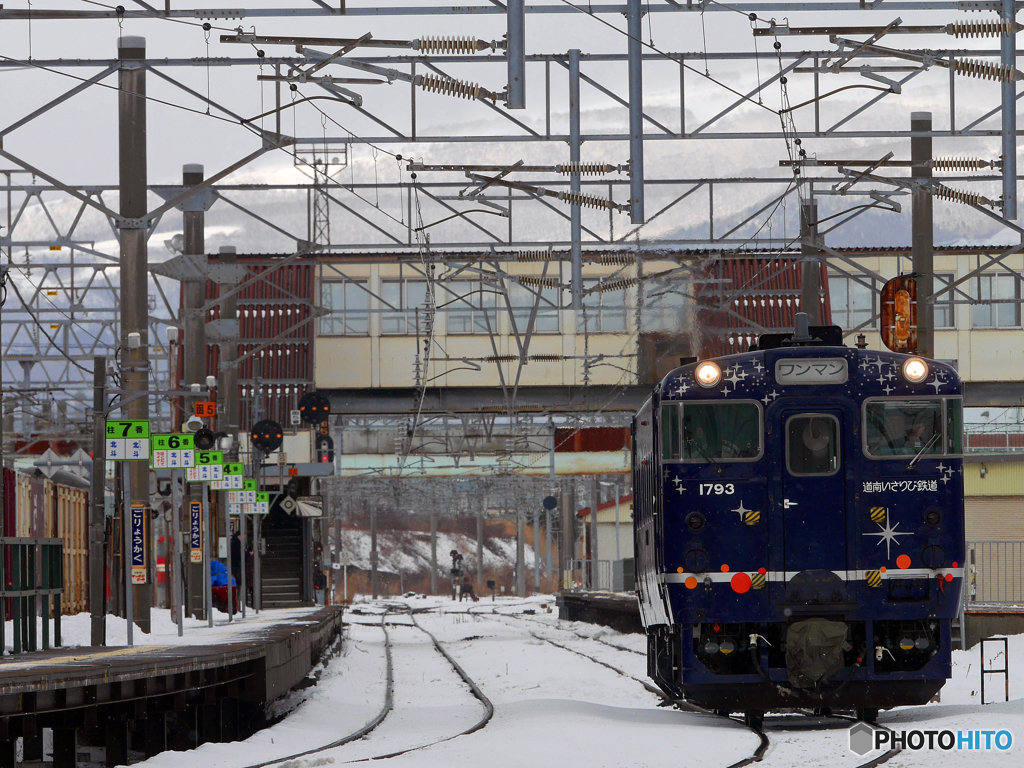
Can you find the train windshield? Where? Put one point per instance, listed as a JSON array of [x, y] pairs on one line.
[[911, 427], [710, 432]]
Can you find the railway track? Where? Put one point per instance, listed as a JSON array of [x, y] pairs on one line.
[[756, 756]]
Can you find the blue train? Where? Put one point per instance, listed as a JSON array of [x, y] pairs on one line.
[[799, 526]]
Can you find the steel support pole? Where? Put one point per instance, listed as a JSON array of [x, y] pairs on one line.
[[636, 112], [179, 559], [207, 555], [810, 271], [134, 232], [480, 551], [520, 554], [575, 222], [126, 560], [536, 550], [922, 252], [433, 554], [97, 521], [595, 502], [194, 350], [618, 546], [373, 553], [516, 52], [1008, 55]]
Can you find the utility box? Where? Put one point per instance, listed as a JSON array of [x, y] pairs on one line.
[[623, 575]]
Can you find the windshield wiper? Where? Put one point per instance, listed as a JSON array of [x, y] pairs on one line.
[[706, 455], [924, 448]]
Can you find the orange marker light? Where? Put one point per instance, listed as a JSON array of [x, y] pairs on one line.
[[691, 582], [725, 569], [740, 583], [679, 569], [903, 562], [882, 569], [949, 577]]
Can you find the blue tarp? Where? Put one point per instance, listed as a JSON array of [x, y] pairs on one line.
[[219, 574]]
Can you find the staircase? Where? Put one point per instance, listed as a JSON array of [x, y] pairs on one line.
[[281, 569]]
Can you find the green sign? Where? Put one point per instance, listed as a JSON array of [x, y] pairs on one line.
[[173, 442], [234, 468], [127, 429], [204, 458], [263, 496], [249, 485]]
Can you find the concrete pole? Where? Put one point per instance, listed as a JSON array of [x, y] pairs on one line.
[[178, 561], [194, 350], [433, 554], [373, 553], [636, 106], [1008, 58], [480, 580], [923, 250], [516, 52], [97, 521], [520, 554], [566, 538], [132, 182], [810, 272], [551, 478], [576, 252], [228, 407]]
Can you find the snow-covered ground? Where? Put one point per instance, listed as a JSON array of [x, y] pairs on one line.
[[553, 707]]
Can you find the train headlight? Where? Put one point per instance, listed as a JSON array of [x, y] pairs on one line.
[[906, 643], [708, 374], [915, 370], [922, 643], [710, 647]]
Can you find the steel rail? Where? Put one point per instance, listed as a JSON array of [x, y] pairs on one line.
[[365, 729]]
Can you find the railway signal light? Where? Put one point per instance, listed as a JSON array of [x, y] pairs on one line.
[[267, 435], [324, 449], [204, 439], [314, 407]]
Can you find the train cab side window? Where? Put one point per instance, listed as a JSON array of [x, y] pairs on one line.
[[954, 426], [812, 445], [905, 427], [670, 432]]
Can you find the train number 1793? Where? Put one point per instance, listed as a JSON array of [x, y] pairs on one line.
[[717, 489]]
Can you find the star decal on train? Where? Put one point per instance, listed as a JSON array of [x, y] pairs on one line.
[[741, 511], [889, 534]]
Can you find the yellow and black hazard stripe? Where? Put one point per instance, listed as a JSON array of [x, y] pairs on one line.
[[752, 517], [758, 580], [873, 578], [878, 514]]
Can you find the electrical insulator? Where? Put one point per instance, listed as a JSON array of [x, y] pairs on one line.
[[961, 164], [617, 285], [448, 45], [585, 169], [546, 282], [958, 196], [501, 358], [618, 259], [587, 201], [983, 69], [450, 87], [992, 28], [534, 255], [546, 358]]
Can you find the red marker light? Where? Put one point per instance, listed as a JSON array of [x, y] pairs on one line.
[[716, 628], [955, 564], [762, 571]]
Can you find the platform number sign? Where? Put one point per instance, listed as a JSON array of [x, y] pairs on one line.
[[195, 531], [262, 506], [127, 440], [233, 479], [138, 540]]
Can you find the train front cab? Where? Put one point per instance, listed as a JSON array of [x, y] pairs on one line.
[[833, 509]]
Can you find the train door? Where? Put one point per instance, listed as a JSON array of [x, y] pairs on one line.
[[813, 503]]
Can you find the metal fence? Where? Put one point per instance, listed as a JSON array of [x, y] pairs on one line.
[[591, 574], [31, 584], [995, 572]]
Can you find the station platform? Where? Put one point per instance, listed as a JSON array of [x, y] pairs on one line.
[[143, 700], [617, 610]]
